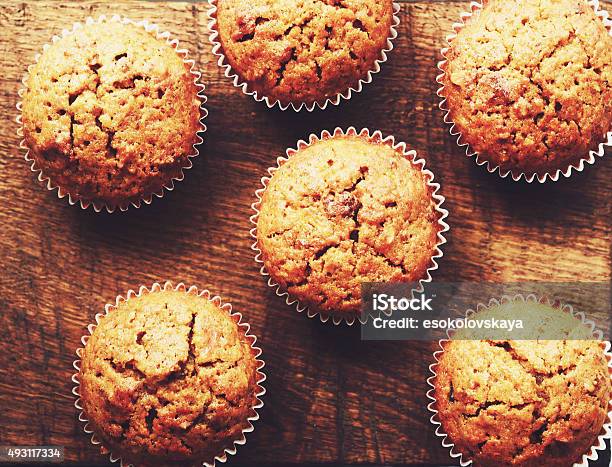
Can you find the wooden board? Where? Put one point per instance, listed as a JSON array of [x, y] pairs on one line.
[[331, 397]]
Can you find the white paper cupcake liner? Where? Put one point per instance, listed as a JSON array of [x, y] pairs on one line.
[[375, 136], [491, 167], [606, 431], [270, 102], [193, 290], [98, 206]]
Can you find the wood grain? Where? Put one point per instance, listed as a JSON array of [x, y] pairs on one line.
[[331, 397]]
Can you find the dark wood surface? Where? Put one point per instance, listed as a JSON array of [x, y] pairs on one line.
[[331, 397]]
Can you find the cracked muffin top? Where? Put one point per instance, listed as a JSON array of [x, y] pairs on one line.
[[111, 113], [530, 86], [303, 51], [343, 211], [168, 378], [524, 402]]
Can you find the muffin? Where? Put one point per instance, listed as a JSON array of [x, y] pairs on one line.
[[303, 52], [168, 378], [522, 402], [342, 211], [110, 114], [528, 84]]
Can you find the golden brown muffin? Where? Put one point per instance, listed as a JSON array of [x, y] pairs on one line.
[[525, 402], [168, 378], [303, 51], [529, 83], [111, 113], [343, 211]]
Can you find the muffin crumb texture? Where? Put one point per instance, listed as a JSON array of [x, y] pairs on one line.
[[168, 378], [530, 87], [303, 51], [527, 403], [111, 113], [344, 211]]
